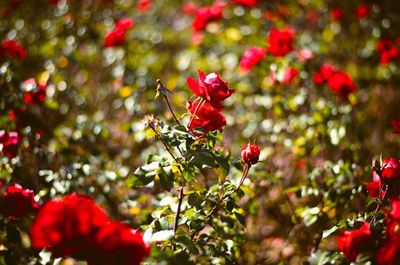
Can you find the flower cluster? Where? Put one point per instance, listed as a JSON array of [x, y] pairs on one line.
[[388, 51], [117, 36], [77, 227], [339, 82], [17, 202], [9, 143], [11, 48]]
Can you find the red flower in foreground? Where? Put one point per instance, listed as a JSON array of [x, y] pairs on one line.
[[396, 124], [387, 50], [362, 11], [342, 84], [390, 176], [68, 226], [249, 3], [11, 48], [209, 118], [288, 74], [337, 13], [36, 93], [280, 42], [18, 202], [355, 242], [143, 5], [208, 14], [251, 57], [117, 244], [389, 253], [250, 153], [211, 87], [10, 143]]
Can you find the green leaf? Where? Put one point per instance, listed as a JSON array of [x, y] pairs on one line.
[[240, 218], [187, 243], [203, 160], [166, 178]]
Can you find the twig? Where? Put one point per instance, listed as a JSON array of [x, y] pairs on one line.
[[178, 211], [161, 87]]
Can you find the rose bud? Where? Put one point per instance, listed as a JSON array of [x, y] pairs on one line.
[[250, 153]]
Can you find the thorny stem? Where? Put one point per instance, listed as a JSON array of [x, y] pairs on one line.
[[195, 112]]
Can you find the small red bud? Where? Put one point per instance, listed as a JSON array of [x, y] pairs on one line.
[[250, 153]]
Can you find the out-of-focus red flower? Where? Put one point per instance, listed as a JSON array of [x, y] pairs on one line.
[[288, 74], [117, 244], [35, 93], [208, 14], [18, 202], [68, 226], [396, 124], [389, 253], [124, 23], [251, 57], [189, 8], [250, 153], [9, 140], [268, 15], [209, 117], [114, 38], [304, 55], [196, 38], [324, 74], [337, 13], [10, 7], [11, 48], [313, 16], [387, 50], [280, 42], [249, 3], [211, 87], [362, 11], [283, 11], [356, 242], [143, 5], [342, 84]]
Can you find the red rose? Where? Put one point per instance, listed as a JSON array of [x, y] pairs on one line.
[[208, 14], [362, 11], [337, 13], [211, 87], [18, 202], [396, 124], [390, 176], [325, 73], [249, 3], [355, 242], [280, 42], [389, 253], [10, 143], [36, 93], [68, 226], [143, 5], [114, 38], [124, 23], [250, 153], [342, 84], [288, 74], [250, 58], [374, 188], [117, 244], [12, 49], [387, 50], [209, 118]]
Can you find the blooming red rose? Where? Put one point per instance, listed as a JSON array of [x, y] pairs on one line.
[[396, 124], [388, 51], [18, 202], [342, 84], [355, 242], [68, 226], [374, 188], [11, 48], [209, 117], [143, 5], [280, 42], [114, 38], [390, 172], [288, 74], [9, 141], [117, 244], [249, 3], [211, 87], [337, 13], [35, 93], [250, 153], [124, 23], [362, 11], [389, 253], [324, 74], [208, 14], [251, 57]]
